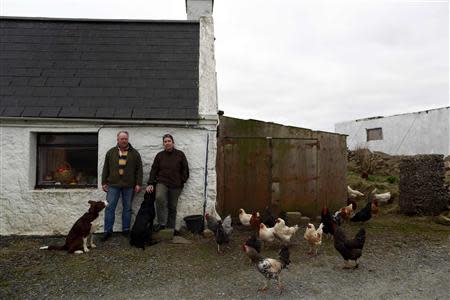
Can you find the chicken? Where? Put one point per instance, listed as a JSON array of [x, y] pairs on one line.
[[346, 212], [270, 268], [329, 223], [266, 234], [211, 222], [384, 198], [244, 217], [221, 229], [255, 220], [353, 203], [314, 237], [268, 218], [349, 249], [364, 175], [353, 193], [364, 214], [337, 218], [254, 242], [282, 232]]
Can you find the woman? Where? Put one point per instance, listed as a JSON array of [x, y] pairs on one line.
[[170, 171]]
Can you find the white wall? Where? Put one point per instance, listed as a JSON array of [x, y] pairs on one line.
[[426, 132], [25, 210]]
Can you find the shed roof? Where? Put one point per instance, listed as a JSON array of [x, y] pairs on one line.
[[118, 69]]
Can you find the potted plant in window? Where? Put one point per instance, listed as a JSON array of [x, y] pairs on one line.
[[63, 173]]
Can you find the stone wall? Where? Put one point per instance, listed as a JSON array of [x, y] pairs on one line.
[[422, 189]]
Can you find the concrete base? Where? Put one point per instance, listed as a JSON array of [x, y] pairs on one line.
[[293, 218], [164, 235]]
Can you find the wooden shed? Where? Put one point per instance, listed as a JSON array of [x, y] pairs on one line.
[[261, 164]]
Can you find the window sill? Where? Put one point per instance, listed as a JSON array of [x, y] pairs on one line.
[[59, 189]]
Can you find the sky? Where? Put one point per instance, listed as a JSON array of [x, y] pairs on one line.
[[309, 63]]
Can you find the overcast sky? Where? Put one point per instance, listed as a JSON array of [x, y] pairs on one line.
[[306, 63]]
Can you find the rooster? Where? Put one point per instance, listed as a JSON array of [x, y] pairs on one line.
[[282, 232], [266, 234], [255, 220], [222, 229], [244, 217], [349, 249], [270, 268], [329, 223], [314, 237], [353, 193]]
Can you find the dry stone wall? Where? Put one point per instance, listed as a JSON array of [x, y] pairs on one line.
[[422, 187]]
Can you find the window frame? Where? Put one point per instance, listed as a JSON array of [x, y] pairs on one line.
[[62, 186], [374, 129]]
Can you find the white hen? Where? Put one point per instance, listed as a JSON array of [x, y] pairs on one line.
[[244, 217], [383, 198], [283, 232], [353, 193]]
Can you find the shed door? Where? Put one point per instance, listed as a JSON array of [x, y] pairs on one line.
[[246, 175], [261, 171], [294, 174]]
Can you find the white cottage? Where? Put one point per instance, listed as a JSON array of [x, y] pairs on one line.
[[423, 132], [68, 86]]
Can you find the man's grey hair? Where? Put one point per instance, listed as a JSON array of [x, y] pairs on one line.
[[122, 131]]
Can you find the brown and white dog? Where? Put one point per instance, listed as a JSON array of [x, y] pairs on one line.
[[82, 230]]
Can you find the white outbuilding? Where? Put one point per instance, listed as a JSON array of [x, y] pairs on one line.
[[423, 132]]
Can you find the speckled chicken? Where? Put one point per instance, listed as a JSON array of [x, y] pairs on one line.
[[270, 268]]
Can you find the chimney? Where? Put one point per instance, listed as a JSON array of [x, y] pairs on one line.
[[199, 8]]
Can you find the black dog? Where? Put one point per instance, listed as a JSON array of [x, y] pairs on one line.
[[141, 233]]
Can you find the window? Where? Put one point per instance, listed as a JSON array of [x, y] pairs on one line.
[[67, 160], [374, 134]]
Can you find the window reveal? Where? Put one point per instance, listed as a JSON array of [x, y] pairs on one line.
[[67, 160]]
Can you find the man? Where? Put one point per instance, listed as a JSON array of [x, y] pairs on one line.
[[121, 176], [171, 171]]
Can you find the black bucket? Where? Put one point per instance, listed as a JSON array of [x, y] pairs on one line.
[[194, 223]]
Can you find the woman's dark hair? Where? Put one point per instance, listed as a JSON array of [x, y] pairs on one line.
[[168, 136]]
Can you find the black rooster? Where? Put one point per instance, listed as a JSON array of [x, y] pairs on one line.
[[329, 224], [349, 249]]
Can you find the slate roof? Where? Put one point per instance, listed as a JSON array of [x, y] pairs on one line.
[[99, 69]]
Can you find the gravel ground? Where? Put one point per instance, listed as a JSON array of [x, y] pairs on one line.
[[404, 258]]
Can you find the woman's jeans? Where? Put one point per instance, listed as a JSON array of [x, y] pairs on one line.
[[112, 196], [166, 204]]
